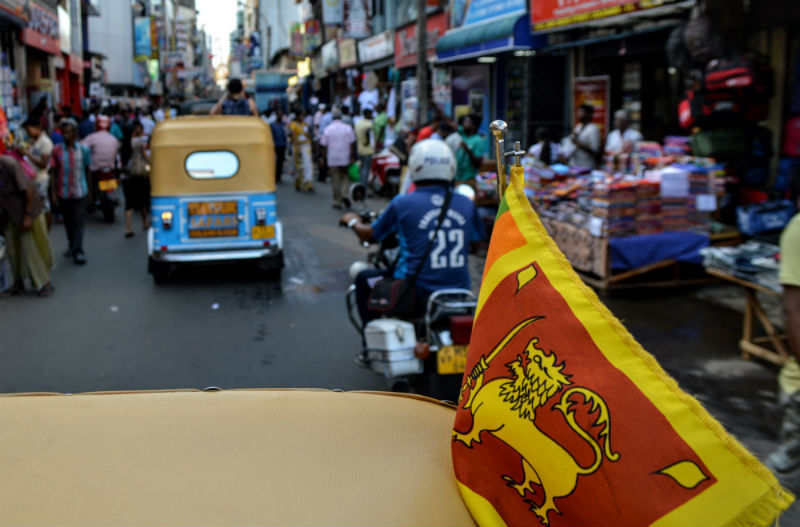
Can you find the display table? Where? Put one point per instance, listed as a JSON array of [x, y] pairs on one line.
[[751, 344], [621, 263]]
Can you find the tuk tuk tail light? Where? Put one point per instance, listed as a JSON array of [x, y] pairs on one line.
[[166, 219], [261, 216]]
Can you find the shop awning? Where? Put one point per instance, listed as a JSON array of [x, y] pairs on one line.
[[507, 33]]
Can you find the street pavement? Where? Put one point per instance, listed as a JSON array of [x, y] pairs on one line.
[[109, 327]]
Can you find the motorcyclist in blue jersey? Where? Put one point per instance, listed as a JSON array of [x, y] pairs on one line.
[[413, 219]]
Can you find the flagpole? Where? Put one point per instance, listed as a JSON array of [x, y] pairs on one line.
[[498, 129]]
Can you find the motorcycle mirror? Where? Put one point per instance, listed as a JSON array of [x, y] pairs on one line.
[[466, 191]]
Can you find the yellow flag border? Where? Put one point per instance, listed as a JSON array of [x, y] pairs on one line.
[[762, 510]]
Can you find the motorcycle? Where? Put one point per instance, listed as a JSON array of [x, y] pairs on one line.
[[384, 174], [425, 355], [104, 191]]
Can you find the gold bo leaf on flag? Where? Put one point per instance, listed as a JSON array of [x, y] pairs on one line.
[[565, 420]]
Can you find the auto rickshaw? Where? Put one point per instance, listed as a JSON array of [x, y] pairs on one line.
[[213, 194]]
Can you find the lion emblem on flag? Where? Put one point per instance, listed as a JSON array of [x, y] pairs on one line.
[[506, 408]]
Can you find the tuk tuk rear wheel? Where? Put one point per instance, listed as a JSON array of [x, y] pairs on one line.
[[161, 271]]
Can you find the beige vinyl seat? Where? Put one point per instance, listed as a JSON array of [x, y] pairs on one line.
[[250, 457]]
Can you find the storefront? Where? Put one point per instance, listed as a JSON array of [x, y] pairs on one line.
[[405, 62], [41, 39], [376, 55], [12, 20], [487, 78]]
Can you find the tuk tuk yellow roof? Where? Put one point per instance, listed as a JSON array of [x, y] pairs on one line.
[[249, 138]]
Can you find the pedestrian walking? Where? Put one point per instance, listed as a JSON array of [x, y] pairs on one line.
[[279, 139], [301, 146], [39, 155], [365, 145], [235, 101], [472, 150], [70, 164], [24, 228], [103, 148], [136, 184], [338, 143]]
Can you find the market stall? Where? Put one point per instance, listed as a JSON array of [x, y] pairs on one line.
[[647, 210]]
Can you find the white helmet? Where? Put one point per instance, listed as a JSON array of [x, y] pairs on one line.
[[431, 160]]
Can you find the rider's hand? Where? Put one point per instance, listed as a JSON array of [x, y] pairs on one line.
[[344, 220]]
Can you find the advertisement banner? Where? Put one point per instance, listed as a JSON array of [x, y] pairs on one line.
[[357, 19], [377, 47], [313, 37], [405, 40], [154, 43], [593, 91], [141, 38], [347, 53], [330, 55], [442, 90], [466, 12], [64, 30], [296, 49], [15, 7], [554, 14], [332, 12]]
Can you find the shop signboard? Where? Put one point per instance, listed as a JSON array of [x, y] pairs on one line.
[[556, 14], [154, 42], [41, 31], [141, 37], [330, 55], [377, 47], [466, 12], [332, 12], [357, 22], [593, 91], [347, 53], [405, 40], [15, 7]]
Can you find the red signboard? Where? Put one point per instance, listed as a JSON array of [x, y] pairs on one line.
[[593, 91], [405, 40], [553, 14], [42, 30], [15, 7]]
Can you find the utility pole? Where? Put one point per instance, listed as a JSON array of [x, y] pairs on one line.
[[422, 62]]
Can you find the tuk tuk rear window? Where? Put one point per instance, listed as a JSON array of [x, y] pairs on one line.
[[216, 164]]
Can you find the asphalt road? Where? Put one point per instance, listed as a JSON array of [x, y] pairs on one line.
[[109, 327]]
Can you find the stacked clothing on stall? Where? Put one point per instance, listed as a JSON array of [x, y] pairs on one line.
[[753, 261], [648, 207], [615, 202]]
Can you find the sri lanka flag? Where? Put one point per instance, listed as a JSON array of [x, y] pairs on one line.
[[564, 419]]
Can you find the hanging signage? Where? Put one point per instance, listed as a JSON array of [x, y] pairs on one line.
[[405, 40], [330, 55], [42, 30], [155, 46], [332, 12], [554, 14], [357, 22], [313, 36], [296, 49], [465, 12], [377, 47], [593, 91], [347, 53], [141, 37]]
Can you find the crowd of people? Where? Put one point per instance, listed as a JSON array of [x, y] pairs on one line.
[[49, 172]]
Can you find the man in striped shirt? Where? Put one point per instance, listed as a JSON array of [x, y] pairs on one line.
[[71, 163]]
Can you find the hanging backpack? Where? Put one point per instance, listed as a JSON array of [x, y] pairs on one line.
[[239, 106], [701, 40]]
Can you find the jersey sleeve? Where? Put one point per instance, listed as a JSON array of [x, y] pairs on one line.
[[386, 224]]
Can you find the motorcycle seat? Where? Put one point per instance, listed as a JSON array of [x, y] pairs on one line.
[[255, 457]]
